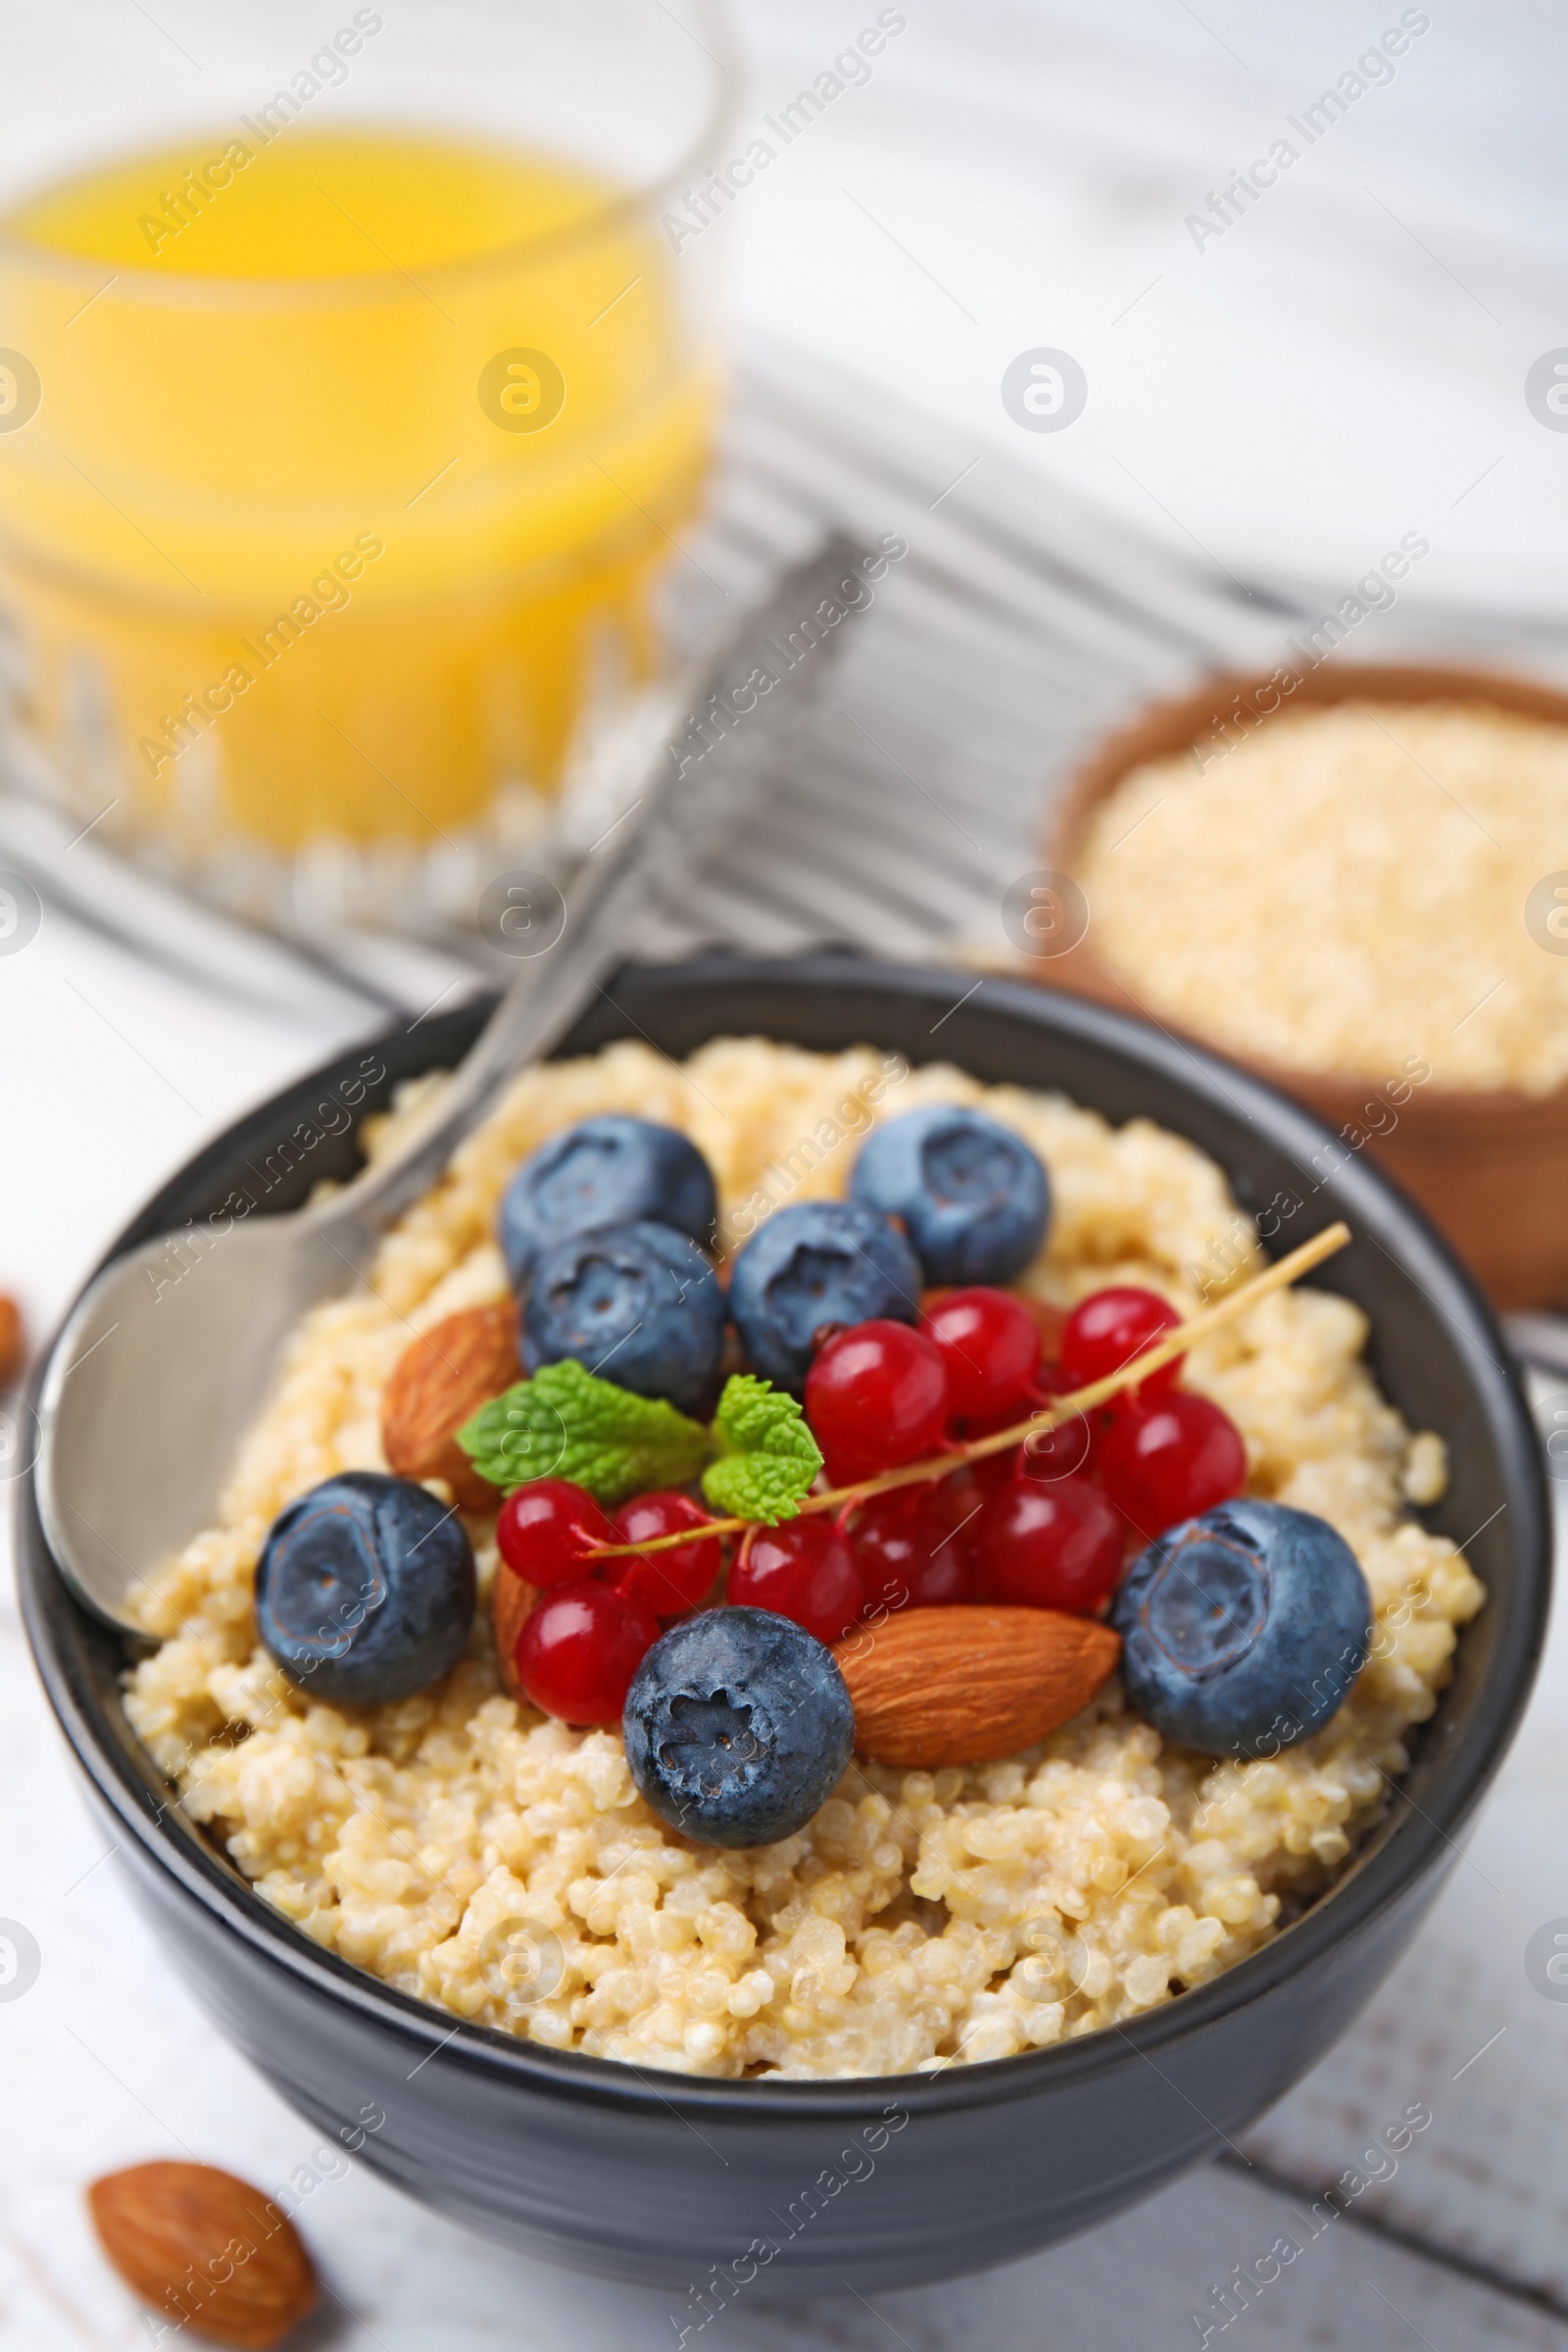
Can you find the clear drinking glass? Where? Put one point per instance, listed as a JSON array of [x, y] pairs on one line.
[[351, 395]]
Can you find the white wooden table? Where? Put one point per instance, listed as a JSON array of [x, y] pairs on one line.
[[1319, 385]]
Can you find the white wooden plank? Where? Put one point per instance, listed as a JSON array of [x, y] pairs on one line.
[[1465, 2025]]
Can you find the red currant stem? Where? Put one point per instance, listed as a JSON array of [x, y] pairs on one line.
[[1277, 1277]]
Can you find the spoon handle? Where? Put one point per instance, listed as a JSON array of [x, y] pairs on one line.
[[699, 790]]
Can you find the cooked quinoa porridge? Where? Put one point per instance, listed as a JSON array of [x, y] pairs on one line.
[[920, 1917]]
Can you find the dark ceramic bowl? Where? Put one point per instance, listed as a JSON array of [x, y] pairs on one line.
[[798, 2188]]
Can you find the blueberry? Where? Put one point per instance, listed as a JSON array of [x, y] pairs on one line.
[[365, 1589], [822, 1261], [1242, 1629], [738, 1725], [639, 1304], [611, 1170], [974, 1200]]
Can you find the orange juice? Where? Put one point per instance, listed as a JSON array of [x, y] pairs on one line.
[[344, 463]]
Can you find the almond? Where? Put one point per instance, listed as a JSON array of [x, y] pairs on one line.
[[514, 1597], [13, 1349], [438, 1382], [208, 2249], [969, 1685]]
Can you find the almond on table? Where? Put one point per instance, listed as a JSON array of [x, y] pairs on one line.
[[204, 2249], [12, 1341]]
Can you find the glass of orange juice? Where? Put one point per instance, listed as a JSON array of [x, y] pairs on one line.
[[353, 396]]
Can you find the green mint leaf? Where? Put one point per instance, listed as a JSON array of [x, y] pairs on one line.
[[564, 1423], [767, 1455]]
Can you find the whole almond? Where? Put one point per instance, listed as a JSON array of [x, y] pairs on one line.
[[12, 1344], [968, 1685], [510, 1603], [209, 2250], [440, 1381]]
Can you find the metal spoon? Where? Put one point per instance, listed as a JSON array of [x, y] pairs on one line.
[[152, 1385]]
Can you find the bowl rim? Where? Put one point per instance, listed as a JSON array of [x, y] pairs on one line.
[[1402, 1851], [1169, 724]]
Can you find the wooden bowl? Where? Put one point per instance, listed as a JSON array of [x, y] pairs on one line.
[[1489, 1167]]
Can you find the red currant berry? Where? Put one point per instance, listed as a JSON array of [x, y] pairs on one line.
[[580, 1647], [667, 1581], [909, 1553], [955, 1497], [1107, 1328], [804, 1570], [1069, 1450], [1057, 1453], [545, 1530], [876, 1395], [959, 1496], [990, 1344], [993, 1470], [1049, 1547], [1170, 1460]]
